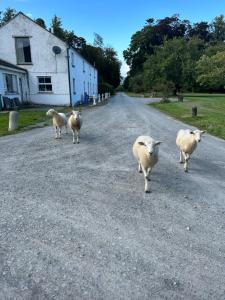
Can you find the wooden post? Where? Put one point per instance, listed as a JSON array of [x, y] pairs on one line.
[[194, 111], [13, 120]]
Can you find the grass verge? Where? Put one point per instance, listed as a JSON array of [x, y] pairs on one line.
[[211, 112], [26, 118]]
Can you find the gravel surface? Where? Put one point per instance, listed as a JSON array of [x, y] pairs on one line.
[[75, 222]]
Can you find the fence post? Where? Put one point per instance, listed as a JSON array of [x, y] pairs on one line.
[[194, 111], [13, 120], [94, 100]]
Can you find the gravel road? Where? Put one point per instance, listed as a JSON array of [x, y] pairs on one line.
[[75, 222]]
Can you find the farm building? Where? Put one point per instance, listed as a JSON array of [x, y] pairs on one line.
[[13, 83], [57, 74]]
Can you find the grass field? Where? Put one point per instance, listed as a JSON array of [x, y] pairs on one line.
[[211, 112], [26, 118]]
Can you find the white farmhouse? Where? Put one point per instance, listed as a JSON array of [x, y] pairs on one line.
[[57, 73]]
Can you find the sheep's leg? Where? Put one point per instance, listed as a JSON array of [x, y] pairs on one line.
[[60, 130], [78, 136], [147, 188], [66, 129], [149, 173], [186, 158], [56, 132], [181, 157], [139, 168], [73, 137]]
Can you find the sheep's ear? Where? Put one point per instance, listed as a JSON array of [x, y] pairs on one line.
[[203, 131], [158, 142], [141, 143]]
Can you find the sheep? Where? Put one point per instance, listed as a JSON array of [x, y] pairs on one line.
[[59, 120], [187, 141], [145, 150], [75, 123]]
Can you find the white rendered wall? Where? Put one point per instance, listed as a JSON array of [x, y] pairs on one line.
[[85, 75], [44, 61]]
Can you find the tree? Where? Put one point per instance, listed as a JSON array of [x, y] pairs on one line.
[[219, 28], [145, 41], [211, 71], [56, 27], [7, 15], [201, 30], [98, 40], [40, 22]]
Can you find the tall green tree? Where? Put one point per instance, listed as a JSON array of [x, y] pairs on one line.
[[7, 15], [219, 28], [211, 71]]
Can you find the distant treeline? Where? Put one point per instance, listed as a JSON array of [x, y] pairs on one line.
[[174, 54], [104, 58]]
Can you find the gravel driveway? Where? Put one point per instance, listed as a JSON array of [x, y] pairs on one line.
[[75, 222]]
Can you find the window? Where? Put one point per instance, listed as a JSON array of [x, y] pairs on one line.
[[74, 86], [23, 52], [11, 83], [44, 84], [72, 60]]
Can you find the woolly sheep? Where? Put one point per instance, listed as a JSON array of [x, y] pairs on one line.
[[75, 123], [187, 141], [59, 120], [145, 150]]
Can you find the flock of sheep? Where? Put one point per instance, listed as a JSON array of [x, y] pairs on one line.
[[145, 148], [60, 119]]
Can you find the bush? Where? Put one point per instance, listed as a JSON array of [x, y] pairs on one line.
[[166, 89]]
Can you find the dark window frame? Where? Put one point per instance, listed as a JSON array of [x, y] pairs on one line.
[[45, 84], [29, 54]]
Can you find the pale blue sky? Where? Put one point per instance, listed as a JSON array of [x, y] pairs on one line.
[[115, 20]]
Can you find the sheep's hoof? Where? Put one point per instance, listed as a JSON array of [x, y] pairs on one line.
[[181, 162], [148, 179], [78, 142], [148, 192], [186, 170], [74, 142], [140, 171]]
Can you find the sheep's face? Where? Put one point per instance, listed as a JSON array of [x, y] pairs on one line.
[[150, 146], [76, 115], [197, 134], [51, 112]]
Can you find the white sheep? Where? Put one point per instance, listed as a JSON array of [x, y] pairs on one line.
[[187, 141], [145, 149], [59, 120], [75, 123]]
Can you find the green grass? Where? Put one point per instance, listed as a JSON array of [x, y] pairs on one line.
[[211, 112], [26, 118]]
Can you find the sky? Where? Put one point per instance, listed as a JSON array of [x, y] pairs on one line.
[[116, 20]]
